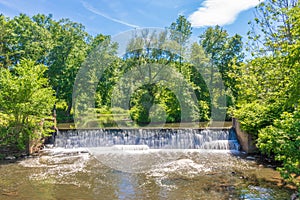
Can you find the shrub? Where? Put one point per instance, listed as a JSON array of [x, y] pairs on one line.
[[26, 99], [283, 140]]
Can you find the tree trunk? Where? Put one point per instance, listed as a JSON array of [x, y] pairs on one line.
[[68, 112]]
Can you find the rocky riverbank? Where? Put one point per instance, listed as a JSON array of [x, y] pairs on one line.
[[12, 154]]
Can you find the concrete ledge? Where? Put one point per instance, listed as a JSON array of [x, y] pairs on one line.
[[246, 140]]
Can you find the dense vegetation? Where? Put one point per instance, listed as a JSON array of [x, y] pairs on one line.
[[269, 93], [41, 57]]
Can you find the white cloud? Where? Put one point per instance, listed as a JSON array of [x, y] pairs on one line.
[[220, 12], [97, 12]]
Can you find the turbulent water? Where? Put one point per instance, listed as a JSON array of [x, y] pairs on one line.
[[140, 164], [86, 174]]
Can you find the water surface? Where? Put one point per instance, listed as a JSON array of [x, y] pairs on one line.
[[138, 174]]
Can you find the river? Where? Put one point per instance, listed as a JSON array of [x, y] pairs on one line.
[[141, 173]]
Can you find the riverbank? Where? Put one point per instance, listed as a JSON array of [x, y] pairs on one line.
[[11, 154]]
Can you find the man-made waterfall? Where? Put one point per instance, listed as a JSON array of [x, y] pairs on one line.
[[124, 164], [141, 139]]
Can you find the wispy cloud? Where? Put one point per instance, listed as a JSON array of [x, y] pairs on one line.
[[10, 6], [97, 12], [220, 12]]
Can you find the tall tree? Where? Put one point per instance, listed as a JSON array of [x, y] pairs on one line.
[[6, 33], [23, 38], [272, 26], [213, 41], [109, 76], [224, 52], [181, 31], [151, 62], [66, 57]]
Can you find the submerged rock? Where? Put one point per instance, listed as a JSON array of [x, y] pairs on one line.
[[295, 196], [250, 158], [50, 146], [10, 158]]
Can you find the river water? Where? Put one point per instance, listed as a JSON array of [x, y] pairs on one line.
[[138, 173]]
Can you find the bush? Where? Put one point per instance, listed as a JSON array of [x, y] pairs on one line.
[[61, 112], [25, 100], [257, 115], [203, 111], [283, 140], [102, 117]]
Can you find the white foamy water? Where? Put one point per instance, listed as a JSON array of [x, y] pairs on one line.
[[182, 167], [164, 173], [221, 139], [140, 159], [131, 147], [58, 165]]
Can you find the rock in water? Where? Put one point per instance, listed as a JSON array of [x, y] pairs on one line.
[[10, 158]]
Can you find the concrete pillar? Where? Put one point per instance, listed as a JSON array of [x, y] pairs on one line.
[[246, 140]]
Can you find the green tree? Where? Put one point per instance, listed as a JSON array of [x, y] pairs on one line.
[[199, 75], [5, 37], [272, 27], [107, 78], [225, 55], [27, 98], [269, 86], [151, 62], [224, 52], [181, 31], [65, 58], [29, 40], [95, 80], [21, 37]]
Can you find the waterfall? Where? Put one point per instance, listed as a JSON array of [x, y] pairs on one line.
[[220, 139]]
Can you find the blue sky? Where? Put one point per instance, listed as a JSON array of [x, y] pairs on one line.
[[115, 16]]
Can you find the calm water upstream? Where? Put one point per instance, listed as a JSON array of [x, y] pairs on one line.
[[143, 173]]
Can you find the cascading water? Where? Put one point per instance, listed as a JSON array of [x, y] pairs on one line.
[[141, 139]]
